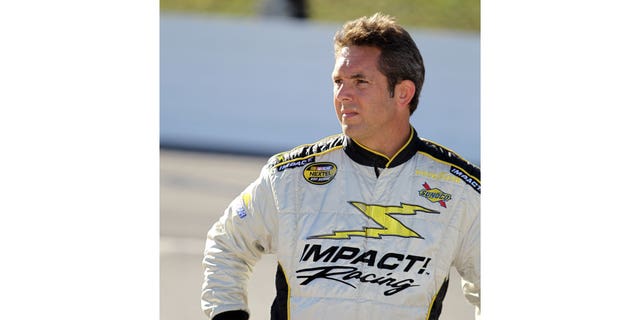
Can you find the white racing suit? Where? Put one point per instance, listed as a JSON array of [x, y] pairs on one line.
[[356, 235]]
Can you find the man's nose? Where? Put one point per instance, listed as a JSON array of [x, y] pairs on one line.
[[343, 93]]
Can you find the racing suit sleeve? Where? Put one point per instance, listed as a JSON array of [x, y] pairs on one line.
[[234, 244], [467, 261]]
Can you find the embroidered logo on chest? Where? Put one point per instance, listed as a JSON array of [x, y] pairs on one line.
[[434, 195], [320, 173]]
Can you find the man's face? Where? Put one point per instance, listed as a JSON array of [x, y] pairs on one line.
[[361, 97]]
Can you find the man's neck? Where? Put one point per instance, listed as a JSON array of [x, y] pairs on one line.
[[390, 144]]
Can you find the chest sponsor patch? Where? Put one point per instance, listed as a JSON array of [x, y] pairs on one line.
[[434, 195], [320, 173]]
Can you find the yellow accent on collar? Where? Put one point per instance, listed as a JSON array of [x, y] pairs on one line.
[[389, 160]]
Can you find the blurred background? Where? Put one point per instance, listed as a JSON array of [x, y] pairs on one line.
[[241, 80]]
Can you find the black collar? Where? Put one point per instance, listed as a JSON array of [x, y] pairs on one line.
[[368, 157]]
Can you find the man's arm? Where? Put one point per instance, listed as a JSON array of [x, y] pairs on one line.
[[234, 244]]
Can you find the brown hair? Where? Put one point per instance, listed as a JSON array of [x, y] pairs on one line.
[[400, 58]]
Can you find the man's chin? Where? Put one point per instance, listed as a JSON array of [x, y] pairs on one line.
[[350, 130]]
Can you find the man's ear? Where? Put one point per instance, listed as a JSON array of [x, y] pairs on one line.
[[405, 90]]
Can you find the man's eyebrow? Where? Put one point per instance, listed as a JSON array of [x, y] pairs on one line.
[[357, 76], [353, 76]]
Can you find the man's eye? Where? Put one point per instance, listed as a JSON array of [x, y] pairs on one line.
[[337, 81], [361, 81]]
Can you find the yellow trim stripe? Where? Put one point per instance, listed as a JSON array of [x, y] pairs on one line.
[[309, 156], [389, 160], [448, 163], [306, 145], [370, 150], [433, 300], [288, 291], [403, 147]]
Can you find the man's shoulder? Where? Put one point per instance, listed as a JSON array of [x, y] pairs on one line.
[[306, 153], [443, 154]]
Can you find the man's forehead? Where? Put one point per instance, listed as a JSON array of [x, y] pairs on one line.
[[357, 51], [344, 51], [356, 59]]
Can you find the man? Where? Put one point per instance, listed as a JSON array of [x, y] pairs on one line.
[[365, 224]]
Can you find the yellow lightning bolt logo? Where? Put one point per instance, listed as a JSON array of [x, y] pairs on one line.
[[381, 215]]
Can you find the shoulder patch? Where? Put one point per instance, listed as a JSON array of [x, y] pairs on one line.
[[295, 163], [306, 153], [474, 183]]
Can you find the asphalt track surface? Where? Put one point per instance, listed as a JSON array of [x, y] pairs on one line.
[[194, 190]]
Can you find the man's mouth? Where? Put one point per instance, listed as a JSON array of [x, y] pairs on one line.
[[349, 114]]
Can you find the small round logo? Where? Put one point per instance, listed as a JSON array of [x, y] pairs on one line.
[[320, 172]]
